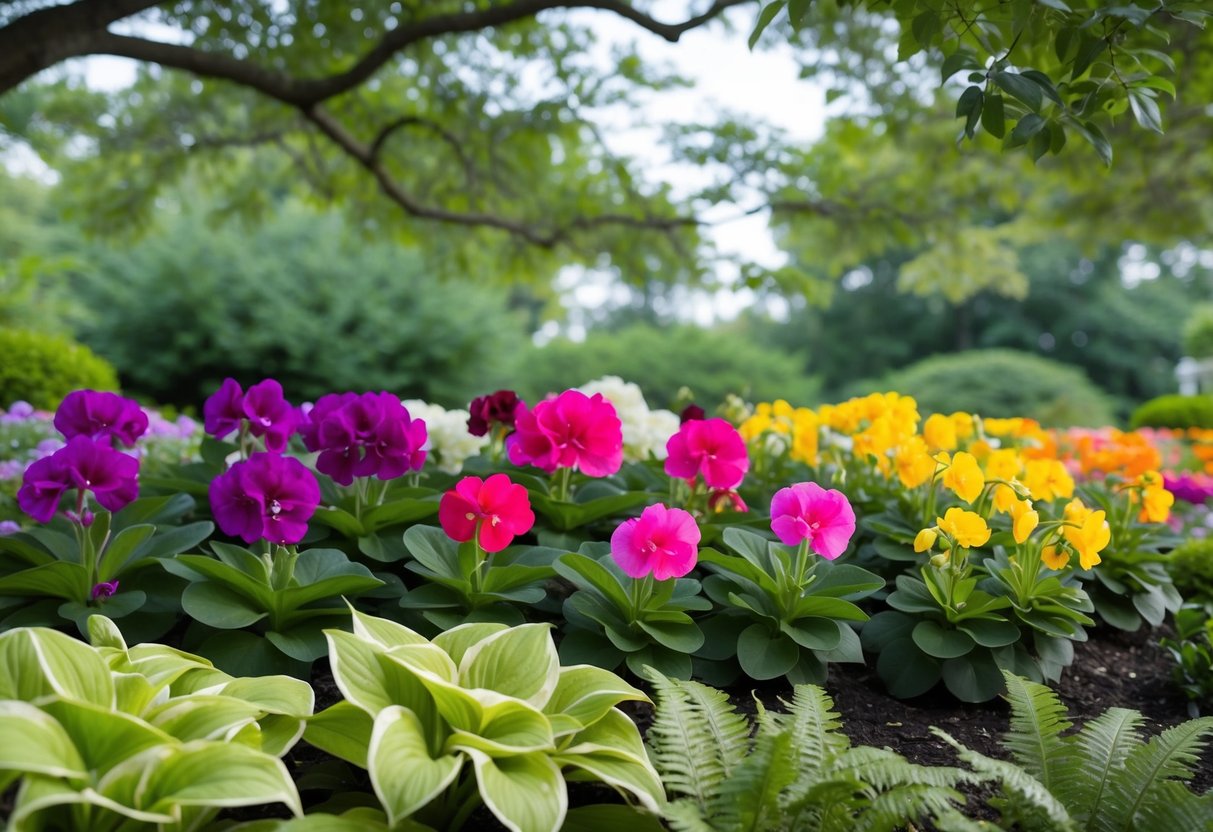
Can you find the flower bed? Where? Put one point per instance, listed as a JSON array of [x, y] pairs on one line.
[[446, 576]]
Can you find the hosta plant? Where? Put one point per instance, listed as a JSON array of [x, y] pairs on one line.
[[288, 597], [797, 771], [1104, 778], [108, 737], [63, 572], [484, 713]]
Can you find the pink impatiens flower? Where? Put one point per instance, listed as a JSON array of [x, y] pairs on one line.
[[493, 511], [572, 430], [663, 542], [806, 511], [711, 448]]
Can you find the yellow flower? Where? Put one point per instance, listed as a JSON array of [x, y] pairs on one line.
[[1090, 538], [1076, 511], [967, 528], [925, 540], [940, 432], [1006, 496], [1002, 427], [964, 477], [1055, 557], [1023, 520], [1003, 464], [914, 465], [963, 424], [1149, 479], [1048, 479], [1156, 505]]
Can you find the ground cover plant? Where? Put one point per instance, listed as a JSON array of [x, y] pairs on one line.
[[949, 554]]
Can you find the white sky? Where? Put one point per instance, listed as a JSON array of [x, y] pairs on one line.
[[727, 77]]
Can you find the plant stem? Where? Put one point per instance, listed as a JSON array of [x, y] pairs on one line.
[[564, 482]]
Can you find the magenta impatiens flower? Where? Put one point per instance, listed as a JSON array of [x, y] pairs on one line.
[[82, 465], [494, 511], [572, 430], [267, 497], [806, 511], [269, 415], [495, 409], [708, 448], [364, 435], [97, 415], [663, 542], [105, 589]]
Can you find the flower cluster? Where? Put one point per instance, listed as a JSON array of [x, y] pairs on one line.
[[364, 435], [645, 431], [262, 410], [266, 497], [570, 431], [779, 428]]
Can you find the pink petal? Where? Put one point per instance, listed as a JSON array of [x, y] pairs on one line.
[[494, 538], [627, 555], [453, 511]]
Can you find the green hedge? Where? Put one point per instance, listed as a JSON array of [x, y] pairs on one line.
[[1175, 412], [1191, 568], [1198, 332], [1002, 383], [41, 369]]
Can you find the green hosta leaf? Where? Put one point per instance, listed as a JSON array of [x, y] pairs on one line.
[[526, 793], [344, 730], [587, 693], [458, 640], [32, 742], [521, 662], [38, 793], [202, 717], [765, 655], [218, 775], [941, 642], [36, 662], [279, 733], [218, 605], [104, 737], [369, 680], [104, 634], [274, 694], [382, 631], [507, 728], [404, 775]]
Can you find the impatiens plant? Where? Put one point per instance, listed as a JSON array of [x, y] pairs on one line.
[[262, 412], [784, 611], [710, 456], [484, 713], [632, 606], [145, 738]]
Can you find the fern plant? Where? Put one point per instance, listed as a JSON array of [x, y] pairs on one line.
[[1104, 778], [790, 771]]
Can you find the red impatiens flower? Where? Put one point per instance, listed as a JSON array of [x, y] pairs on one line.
[[493, 511]]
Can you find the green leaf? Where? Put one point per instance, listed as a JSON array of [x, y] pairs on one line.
[[404, 775], [1019, 87], [813, 633], [992, 116], [905, 670], [1145, 109], [218, 605], [765, 655], [586, 693], [372, 682], [991, 633], [458, 640], [382, 631], [1054, 4], [959, 60], [584, 571], [519, 661], [941, 642], [219, 774], [36, 662], [1027, 127], [764, 20], [57, 580], [120, 550], [680, 633], [609, 817], [343, 730], [974, 677], [508, 727], [32, 742], [526, 793], [104, 737]]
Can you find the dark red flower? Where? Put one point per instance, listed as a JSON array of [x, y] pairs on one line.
[[496, 408]]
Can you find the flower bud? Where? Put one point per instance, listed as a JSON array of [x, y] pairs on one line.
[[925, 540]]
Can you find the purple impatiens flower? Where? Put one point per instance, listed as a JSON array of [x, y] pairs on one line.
[[269, 415], [9, 527], [83, 465], [97, 415], [268, 497], [105, 589], [364, 435]]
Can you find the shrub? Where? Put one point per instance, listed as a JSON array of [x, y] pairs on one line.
[[1198, 332], [41, 369], [1002, 383], [1191, 568], [711, 362], [1175, 411], [299, 298]]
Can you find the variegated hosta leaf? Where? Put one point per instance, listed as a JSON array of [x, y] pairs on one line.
[[526, 793], [36, 662], [520, 661], [403, 773], [586, 693]]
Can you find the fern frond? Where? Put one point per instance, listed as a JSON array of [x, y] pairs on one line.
[[1175, 808], [1138, 787], [685, 816], [954, 821], [884, 769], [816, 727], [826, 804], [1099, 750], [696, 739], [750, 799], [1016, 782], [900, 807], [1034, 739]]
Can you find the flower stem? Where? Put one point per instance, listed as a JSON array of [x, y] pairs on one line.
[[563, 484]]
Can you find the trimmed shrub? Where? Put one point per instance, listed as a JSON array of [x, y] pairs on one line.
[[1198, 332], [41, 368], [1175, 411], [1191, 568], [711, 362], [1002, 383]]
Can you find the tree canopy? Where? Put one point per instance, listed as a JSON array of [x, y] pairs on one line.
[[474, 128]]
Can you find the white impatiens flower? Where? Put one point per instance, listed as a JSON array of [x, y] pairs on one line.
[[449, 443], [645, 431]]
